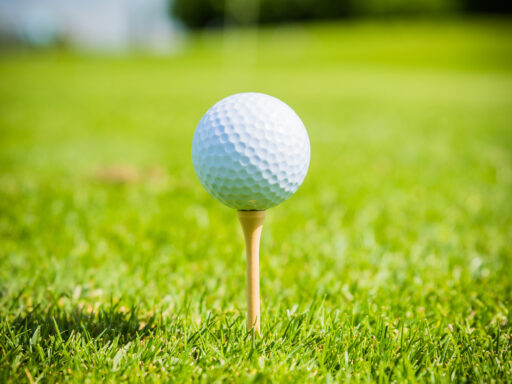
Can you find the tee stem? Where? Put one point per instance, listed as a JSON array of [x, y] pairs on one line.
[[252, 224]]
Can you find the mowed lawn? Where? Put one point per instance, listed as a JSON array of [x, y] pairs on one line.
[[393, 261]]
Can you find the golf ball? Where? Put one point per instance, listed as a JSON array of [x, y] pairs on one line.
[[251, 151]]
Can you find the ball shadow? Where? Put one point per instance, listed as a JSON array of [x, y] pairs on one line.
[[106, 324]]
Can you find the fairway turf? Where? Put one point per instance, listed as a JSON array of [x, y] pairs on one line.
[[391, 263]]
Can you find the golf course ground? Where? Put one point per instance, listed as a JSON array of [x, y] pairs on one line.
[[392, 262]]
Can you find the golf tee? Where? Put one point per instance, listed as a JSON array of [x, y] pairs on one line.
[[252, 224]]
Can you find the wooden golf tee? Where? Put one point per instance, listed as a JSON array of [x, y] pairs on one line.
[[252, 224]]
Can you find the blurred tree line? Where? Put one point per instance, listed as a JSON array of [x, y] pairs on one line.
[[211, 13]]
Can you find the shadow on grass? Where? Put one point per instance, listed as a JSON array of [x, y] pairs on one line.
[[108, 323]]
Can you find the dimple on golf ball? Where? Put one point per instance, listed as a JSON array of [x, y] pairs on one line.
[[251, 151]]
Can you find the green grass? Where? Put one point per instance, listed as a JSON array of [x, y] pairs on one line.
[[391, 263]]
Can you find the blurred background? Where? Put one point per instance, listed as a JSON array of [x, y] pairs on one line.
[[155, 25]]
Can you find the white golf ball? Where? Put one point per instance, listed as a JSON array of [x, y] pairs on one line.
[[251, 151]]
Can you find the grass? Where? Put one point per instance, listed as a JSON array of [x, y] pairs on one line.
[[391, 263]]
